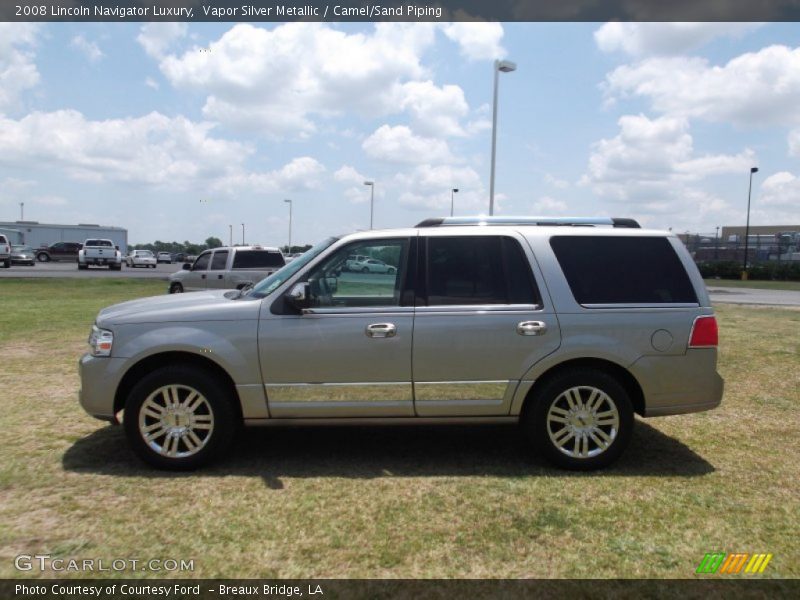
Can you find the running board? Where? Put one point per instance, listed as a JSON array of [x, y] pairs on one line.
[[345, 421]]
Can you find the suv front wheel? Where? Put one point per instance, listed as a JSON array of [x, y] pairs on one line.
[[581, 419], [179, 418]]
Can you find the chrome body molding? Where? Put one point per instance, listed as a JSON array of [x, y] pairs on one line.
[[280, 393], [380, 421]]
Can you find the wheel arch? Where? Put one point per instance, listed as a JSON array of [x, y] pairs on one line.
[[620, 373], [149, 363]]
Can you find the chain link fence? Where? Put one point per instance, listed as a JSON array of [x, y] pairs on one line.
[[775, 257]]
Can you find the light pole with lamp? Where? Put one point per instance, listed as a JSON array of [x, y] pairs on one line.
[[716, 244], [242, 234], [371, 185], [289, 251], [747, 226], [453, 191], [21, 211], [230, 235], [504, 66]]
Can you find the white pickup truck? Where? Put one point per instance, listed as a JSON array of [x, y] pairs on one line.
[[231, 267], [101, 253]]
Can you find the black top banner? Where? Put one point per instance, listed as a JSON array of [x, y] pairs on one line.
[[390, 10]]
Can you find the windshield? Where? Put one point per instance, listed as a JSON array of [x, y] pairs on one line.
[[270, 284]]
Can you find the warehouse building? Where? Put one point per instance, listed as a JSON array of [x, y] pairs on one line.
[[35, 234]]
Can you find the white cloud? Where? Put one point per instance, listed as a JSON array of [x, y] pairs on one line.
[[151, 83], [400, 145], [549, 206], [794, 142], [348, 174], [153, 149], [18, 70], [557, 183], [303, 173], [158, 38], [477, 40], [756, 88], [781, 190], [283, 80], [643, 39], [651, 167], [89, 49], [428, 187]]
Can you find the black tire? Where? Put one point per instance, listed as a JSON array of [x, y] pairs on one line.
[[82, 267], [219, 405], [7, 264], [115, 267], [391, 270], [43, 257], [538, 424], [365, 270], [175, 288]]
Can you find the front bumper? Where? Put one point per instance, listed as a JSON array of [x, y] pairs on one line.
[[100, 378]]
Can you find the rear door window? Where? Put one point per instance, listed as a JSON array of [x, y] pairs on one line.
[[220, 260], [623, 270], [478, 270]]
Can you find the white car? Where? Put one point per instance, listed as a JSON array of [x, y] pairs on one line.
[[164, 257], [141, 258], [370, 265]]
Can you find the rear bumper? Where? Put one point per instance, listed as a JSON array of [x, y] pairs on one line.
[[674, 385]]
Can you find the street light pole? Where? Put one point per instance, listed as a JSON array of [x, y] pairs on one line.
[[747, 226], [453, 191], [242, 234], [506, 66], [290, 226], [371, 185], [230, 235], [21, 211], [716, 244]]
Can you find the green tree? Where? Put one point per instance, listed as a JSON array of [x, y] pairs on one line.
[[213, 242]]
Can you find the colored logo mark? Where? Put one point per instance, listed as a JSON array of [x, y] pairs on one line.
[[720, 562]]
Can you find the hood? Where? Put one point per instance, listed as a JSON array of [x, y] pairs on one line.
[[213, 305]]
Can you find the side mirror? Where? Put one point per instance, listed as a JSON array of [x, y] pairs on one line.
[[299, 296], [187, 266]]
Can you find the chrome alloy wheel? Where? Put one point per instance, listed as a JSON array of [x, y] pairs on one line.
[[583, 422], [176, 421]]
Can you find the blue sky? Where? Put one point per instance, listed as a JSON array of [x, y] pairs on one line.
[[134, 124]]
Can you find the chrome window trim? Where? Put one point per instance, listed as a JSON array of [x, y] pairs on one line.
[[355, 311], [627, 305]]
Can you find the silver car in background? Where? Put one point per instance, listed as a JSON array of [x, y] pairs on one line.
[[567, 327]]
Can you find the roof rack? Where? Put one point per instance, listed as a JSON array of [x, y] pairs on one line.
[[540, 221]]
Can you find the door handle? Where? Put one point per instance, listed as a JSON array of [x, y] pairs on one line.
[[219, 276], [531, 328], [381, 330], [203, 276]]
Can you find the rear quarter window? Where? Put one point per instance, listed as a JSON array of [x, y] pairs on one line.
[[623, 270], [257, 259]]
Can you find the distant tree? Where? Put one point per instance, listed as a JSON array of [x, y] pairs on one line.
[[213, 242]]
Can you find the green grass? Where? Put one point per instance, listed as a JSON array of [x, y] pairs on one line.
[[755, 284], [372, 502]]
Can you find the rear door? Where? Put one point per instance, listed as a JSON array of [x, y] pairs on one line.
[[480, 323]]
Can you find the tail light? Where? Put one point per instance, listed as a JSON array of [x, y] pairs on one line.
[[704, 333]]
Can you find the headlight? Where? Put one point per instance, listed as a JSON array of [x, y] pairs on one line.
[[100, 341]]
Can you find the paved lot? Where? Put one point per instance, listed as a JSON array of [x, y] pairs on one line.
[[70, 269], [753, 296]]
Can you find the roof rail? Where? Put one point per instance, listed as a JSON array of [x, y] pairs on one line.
[[541, 221]]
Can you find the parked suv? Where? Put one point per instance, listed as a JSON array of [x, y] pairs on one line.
[[566, 330], [228, 267]]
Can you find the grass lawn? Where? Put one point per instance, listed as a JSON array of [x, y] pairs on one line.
[[381, 502], [760, 285]]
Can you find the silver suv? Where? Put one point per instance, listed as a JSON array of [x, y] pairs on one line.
[[565, 326]]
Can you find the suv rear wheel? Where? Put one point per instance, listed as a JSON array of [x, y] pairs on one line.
[[175, 288], [179, 418], [581, 419]]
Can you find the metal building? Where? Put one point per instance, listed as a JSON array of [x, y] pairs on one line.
[[35, 234]]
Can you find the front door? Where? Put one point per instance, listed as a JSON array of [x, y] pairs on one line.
[[349, 355], [197, 278], [480, 324]]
